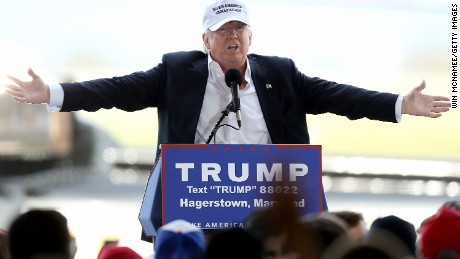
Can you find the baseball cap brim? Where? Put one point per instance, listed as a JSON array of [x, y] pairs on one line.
[[219, 24]]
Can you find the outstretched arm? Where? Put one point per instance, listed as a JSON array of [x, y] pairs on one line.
[[34, 91], [419, 104]]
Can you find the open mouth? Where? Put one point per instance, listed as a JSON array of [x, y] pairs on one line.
[[233, 47]]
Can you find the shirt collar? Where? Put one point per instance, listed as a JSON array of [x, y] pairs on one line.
[[215, 71]]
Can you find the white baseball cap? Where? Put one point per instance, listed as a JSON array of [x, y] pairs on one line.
[[221, 12]]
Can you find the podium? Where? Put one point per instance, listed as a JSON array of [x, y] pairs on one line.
[[215, 186]]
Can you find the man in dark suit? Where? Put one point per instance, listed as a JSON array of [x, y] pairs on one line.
[[189, 91]]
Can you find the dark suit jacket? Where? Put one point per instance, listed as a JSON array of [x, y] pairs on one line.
[[176, 87]]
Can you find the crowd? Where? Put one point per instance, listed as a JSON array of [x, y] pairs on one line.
[[271, 233]]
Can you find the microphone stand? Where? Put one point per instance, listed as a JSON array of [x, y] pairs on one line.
[[230, 107]]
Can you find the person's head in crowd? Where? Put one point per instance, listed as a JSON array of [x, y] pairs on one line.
[[403, 230], [265, 226], [279, 230], [454, 204], [234, 243], [4, 250], [356, 225], [329, 228], [180, 239], [114, 251], [40, 234], [378, 244], [439, 234]]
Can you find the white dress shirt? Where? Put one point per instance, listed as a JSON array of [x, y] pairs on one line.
[[217, 96]]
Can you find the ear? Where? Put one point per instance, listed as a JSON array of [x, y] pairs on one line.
[[205, 40], [250, 38]]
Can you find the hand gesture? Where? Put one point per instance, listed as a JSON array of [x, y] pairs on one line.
[[34, 91], [418, 104]]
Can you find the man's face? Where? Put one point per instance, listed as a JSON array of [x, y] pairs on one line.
[[229, 45]]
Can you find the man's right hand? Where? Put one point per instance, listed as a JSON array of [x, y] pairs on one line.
[[34, 91]]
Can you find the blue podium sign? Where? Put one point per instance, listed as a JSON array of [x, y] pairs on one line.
[[218, 186]]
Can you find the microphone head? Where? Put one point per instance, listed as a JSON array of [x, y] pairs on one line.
[[233, 75]]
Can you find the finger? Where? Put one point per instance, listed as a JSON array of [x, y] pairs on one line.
[[441, 109], [19, 99], [13, 93], [432, 114], [435, 115], [436, 112], [441, 104], [15, 80], [440, 98], [32, 73], [421, 86], [13, 87]]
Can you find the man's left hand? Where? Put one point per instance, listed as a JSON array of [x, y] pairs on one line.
[[419, 104]]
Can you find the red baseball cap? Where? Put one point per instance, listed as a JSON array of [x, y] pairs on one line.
[[118, 252], [440, 232]]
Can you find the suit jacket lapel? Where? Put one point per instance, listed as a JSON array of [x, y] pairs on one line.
[[268, 92], [196, 76]]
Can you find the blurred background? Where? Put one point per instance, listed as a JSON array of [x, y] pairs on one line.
[[93, 167]]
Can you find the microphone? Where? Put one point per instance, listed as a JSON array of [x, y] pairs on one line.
[[233, 79]]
